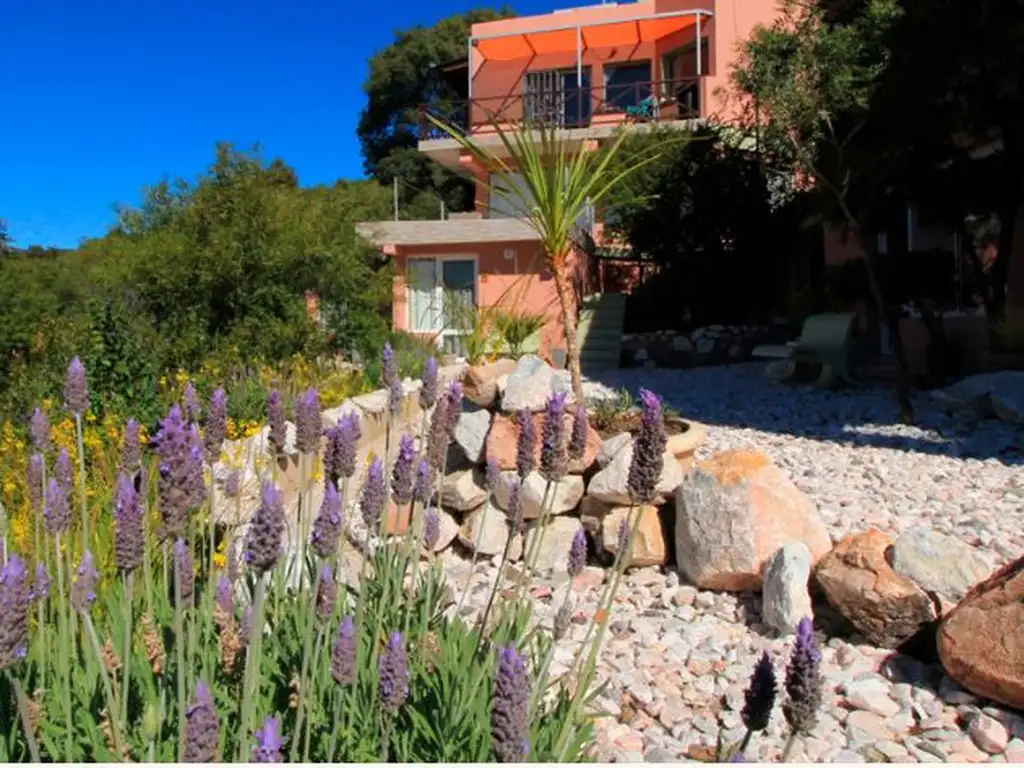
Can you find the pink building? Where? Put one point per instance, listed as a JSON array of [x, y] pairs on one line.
[[587, 71]]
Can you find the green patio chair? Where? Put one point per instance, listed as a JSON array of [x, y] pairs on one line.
[[644, 110], [825, 341]]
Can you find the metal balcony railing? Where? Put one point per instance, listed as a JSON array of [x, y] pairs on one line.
[[649, 101]]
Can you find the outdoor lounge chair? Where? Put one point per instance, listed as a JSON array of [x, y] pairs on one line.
[[824, 341]]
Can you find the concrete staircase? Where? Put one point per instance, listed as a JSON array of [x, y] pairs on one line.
[[600, 331]]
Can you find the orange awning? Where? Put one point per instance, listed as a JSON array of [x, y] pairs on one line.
[[607, 35]]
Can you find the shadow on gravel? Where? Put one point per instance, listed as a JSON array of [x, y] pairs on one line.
[[741, 396]]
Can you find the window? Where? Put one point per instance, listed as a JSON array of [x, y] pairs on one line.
[[442, 293], [558, 97], [626, 85]]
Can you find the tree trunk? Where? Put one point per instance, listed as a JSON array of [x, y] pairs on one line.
[[568, 302]]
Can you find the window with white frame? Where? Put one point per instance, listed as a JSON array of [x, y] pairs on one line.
[[441, 296]]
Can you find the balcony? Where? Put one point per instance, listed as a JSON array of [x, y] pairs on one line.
[[570, 108]]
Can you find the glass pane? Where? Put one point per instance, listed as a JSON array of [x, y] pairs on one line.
[[422, 281], [577, 98], [626, 85], [459, 281]]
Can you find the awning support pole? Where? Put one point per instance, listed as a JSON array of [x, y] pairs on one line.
[[699, 57]]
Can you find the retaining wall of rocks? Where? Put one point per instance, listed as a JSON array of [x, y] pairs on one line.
[[712, 345]]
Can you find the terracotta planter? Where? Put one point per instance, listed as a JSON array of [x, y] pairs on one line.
[[685, 444]]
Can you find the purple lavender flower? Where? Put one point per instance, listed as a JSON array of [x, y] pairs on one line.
[[738, 758], [245, 630], [393, 670], [514, 513], [329, 523], [76, 392], [181, 471], [234, 572], [648, 451], [269, 742], [760, 695], [453, 409], [423, 489], [577, 554], [392, 381], [225, 597], [625, 536], [553, 460], [232, 484], [185, 568], [493, 474], [196, 472], [129, 534], [56, 514], [275, 417], [36, 469], [340, 451], [308, 424], [83, 591], [438, 437], [41, 584], [343, 657], [39, 427], [326, 594], [510, 716], [563, 617], [803, 680], [202, 728], [428, 389], [526, 445], [431, 528], [263, 542], [401, 476], [374, 496], [64, 470], [193, 410], [131, 447], [15, 601], [216, 425], [578, 438]]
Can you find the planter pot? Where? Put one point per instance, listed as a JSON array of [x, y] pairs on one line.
[[684, 444]]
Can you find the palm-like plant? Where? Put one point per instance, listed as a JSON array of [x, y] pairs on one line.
[[560, 182]]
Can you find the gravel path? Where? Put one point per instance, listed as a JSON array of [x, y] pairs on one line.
[[677, 659]]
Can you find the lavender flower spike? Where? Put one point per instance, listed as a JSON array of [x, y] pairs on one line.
[[392, 381], [326, 594], [263, 542], [492, 473], [233, 484], [393, 670], [577, 554], [453, 408], [329, 523], [553, 459], [760, 695], [39, 427], [308, 424], [186, 569], [36, 466], [428, 388], [76, 392], [401, 477], [15, 601], [41, 584], [510, 717], [578, 438], [225, 598], [269, 742], [526, 443], [437, 436], [514, 513], [181, 471], [83, 591], [276, 420], [56, 514], [340, 452], [803, 680], [431, 529], [374, 496], [423, 488], [648, 451], [343, 658], [202, 728], [216, 425], [131, 447], [129, 534], [64, 470], [193, 410]]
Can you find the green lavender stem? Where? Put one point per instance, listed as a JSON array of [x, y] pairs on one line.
[[126, 656], [179, 650], [63, 629], [787, 751], [307, 644], [81, 481], [108, 688], [337, 724], [309, 720], [26, 720], [252, 668]]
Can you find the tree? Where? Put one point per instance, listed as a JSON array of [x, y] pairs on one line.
[[403, 78], [558, 185], [808, 82]]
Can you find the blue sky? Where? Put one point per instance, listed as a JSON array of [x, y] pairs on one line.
[[102, 98]]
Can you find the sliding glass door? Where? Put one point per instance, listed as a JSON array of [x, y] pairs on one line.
[[442, 298]]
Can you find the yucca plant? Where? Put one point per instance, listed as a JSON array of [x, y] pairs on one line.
[[515, 328], [561, 182]]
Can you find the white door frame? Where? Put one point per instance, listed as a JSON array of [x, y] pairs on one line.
[[438, 260]]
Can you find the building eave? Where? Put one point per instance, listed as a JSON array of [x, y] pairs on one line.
[[444, 232]]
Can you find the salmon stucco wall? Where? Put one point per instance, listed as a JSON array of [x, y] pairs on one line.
[[521, 283]]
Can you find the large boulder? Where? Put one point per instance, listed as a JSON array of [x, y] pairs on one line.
[[531, 384], [649, 547], [485, 531], [464, 489], [786, 598], [552, 552], [734, 512], [937, 563], [480, 382], [471, 433], [609, 484], [981, 643], [858, 581], [564, 497], [504, 435]]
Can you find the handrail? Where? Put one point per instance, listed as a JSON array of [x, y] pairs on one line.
[[645, 101]]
